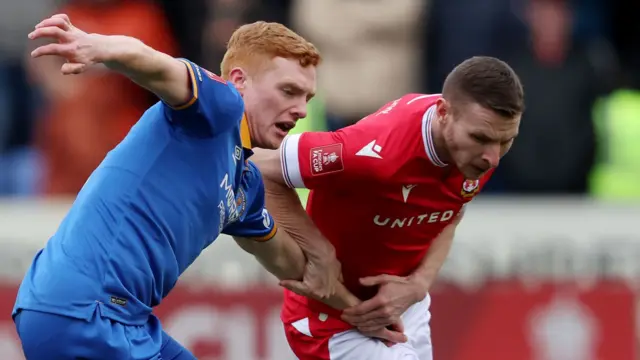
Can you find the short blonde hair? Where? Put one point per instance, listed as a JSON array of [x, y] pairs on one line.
[[250, 44]]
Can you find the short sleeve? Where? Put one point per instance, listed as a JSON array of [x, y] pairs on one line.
[[315, 159], [215, 105], [254, 221]]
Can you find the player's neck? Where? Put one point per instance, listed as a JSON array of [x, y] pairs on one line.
[[439, 144]]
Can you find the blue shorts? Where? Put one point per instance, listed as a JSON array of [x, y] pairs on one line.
[[47, 336]]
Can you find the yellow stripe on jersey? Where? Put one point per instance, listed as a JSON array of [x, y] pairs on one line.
[[245, 134], [194, 87], [267, 237]]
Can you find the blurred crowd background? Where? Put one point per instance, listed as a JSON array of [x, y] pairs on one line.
[[578, 59], [545, 265]]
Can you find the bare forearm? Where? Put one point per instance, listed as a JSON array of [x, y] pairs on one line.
[[280, 256], [158, 72], [428, 270], [283, 258], [284, 205]]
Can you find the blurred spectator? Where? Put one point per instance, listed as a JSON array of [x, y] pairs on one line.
[[186, 19], [562, 79], [625, 33], [617, 168], [616, 172], [567, 52], [370, 52], [18, 164], [270, 10], [560, 50], [458, 30], [87, 115], [224, 16]]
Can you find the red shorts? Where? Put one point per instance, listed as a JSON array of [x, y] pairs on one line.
[[318, 336]]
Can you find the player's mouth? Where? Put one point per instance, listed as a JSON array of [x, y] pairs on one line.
[[479, 170], [285, 126]]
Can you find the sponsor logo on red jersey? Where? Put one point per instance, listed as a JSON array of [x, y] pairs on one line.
[[326, 159], [426, 218]]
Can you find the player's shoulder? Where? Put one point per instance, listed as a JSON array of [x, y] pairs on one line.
[[396, 129], [214, 91], [405, 108], [418, 101], [199, 72], [216, 106], [400, 118]]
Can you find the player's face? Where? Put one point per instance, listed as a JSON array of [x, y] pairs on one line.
[[476, 137], [276, 98]]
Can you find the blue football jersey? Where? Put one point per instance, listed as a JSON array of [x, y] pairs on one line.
[[179, 178]]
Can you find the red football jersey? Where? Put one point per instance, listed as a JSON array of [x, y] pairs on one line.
[[379, 192]]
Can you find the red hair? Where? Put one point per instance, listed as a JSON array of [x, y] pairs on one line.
[[250, 44]]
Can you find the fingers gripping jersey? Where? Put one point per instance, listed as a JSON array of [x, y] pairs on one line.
[[178, 179]]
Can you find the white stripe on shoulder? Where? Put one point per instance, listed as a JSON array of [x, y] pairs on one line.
[[290, 162], [421, 97]]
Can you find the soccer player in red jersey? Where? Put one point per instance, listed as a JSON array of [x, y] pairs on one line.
[[388, 193]]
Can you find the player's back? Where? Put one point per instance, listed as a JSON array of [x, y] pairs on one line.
[[380, 193], [155, 202]]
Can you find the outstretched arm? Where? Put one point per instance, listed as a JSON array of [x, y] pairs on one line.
[[160, 73]]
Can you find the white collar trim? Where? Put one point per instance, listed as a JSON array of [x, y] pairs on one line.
[[427, 136]]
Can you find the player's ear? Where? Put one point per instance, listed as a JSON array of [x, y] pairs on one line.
[[238, 77], [443, 107]]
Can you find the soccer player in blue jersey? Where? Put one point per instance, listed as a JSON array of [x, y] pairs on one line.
[[179, 179]]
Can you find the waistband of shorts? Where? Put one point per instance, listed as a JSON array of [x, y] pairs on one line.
[[294, 302], [322, 308], [319, 307]]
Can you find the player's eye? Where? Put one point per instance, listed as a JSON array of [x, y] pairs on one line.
[[479, 138], [288, 92]]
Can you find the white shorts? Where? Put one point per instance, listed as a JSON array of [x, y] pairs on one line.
[[351, 345]]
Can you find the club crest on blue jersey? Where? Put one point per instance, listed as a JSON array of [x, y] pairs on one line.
[[241, 202]]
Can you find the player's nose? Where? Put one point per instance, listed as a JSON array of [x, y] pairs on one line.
[[491, 156], [299, 111]]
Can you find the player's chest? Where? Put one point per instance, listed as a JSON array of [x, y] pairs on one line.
[[422, 203], [449, 190], [231, 189], [230, 200]]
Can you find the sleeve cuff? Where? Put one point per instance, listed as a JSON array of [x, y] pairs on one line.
[[268, 236], [194, 87], [290, 162]]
